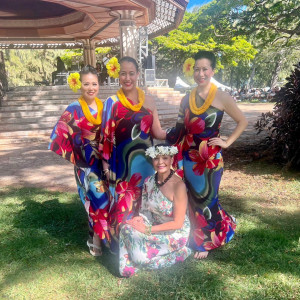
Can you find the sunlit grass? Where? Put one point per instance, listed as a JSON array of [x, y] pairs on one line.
[[43, 253]]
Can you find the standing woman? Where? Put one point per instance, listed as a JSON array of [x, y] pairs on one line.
[[75, 137], [197, 136], [130, 121]]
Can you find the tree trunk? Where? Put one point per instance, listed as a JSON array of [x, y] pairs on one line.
[[251, 79], [278, 65]]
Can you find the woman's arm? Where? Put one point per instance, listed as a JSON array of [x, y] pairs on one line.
[[236, 114], [179, 211], [157, 131]]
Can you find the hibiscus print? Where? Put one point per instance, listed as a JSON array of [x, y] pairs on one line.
[[205, 158], [108, 139], [194, 126], [146, 123], [129, 191]]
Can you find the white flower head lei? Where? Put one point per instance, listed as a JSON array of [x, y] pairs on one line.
[[161, 150]]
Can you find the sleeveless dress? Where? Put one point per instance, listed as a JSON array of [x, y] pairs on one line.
[[158, 250], [77, 140], [211, 226], [125, 137]]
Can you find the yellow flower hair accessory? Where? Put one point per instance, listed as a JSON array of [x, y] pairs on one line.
[[188, 67], [74, 82], [113, 67]]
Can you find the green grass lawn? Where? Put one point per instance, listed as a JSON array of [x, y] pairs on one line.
[[43, 253]]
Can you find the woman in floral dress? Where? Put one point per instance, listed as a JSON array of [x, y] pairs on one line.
[[200, 154], [158, 237], [130, 121], [75, 137]]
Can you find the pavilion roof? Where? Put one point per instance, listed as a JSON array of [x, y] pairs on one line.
[[61, 24]]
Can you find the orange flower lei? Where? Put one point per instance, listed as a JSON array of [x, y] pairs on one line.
[[87, 113], [123, 99], [208, 101]]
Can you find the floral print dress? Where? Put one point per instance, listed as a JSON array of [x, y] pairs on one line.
[[126, 134], [158, 250], [202, 165], [77, 140]]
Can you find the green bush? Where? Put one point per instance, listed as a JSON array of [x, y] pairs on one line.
[[283, 124]]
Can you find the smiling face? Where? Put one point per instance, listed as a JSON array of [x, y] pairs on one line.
[[89, 87], [203, 71], [128, 76], [162, 163]]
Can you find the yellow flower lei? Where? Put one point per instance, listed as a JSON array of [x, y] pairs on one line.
[[87, 113], [208, 101], [127, 104]]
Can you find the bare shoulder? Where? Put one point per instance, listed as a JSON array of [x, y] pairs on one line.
[[224, 96], [179, 185]]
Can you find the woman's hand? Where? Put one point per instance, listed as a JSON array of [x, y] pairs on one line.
[[138, 224], [217, 142]]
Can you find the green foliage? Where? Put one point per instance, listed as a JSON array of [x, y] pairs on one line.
[[25, 67], [75, 56], [201, 31], [284, 123]]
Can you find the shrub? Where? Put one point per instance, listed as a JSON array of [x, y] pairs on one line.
[[283, 124]]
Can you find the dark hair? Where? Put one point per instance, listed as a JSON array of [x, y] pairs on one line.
[[208, 55], [88, 69], [131, 60]]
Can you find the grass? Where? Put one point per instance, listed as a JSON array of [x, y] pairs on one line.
[[43, 253]]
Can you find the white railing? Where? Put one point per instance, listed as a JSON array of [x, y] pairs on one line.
[[161, 82]]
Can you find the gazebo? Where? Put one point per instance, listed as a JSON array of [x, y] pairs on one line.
[[61, 24]]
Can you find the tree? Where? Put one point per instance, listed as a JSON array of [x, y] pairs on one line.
[[198, 32], [25, 67], [270, 20]]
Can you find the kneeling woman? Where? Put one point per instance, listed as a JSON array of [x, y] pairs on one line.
[[157, 238]]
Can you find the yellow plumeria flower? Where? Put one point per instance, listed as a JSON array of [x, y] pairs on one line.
[[74, 82], [113, 67], [188, 67]]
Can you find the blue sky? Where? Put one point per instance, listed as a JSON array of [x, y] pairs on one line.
[[193, 3]]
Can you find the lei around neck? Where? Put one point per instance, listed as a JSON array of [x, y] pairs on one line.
[[125, 102], [87, 113], [208, 101]]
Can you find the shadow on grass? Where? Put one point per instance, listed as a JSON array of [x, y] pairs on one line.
[[244, 162], [47, 228], [44, 228]]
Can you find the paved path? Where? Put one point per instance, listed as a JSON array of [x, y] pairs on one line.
[[33, 165]]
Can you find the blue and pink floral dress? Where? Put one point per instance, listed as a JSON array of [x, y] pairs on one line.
[[126, 134], [202, 167], [77, 140], [155, 251]]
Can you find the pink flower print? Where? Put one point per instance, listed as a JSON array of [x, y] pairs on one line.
[[128, 271], [179, 258], [152, 252]]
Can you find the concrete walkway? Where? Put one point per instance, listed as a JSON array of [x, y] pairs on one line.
[[32, 165]]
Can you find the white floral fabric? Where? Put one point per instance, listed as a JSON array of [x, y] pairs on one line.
[[155, 251]]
